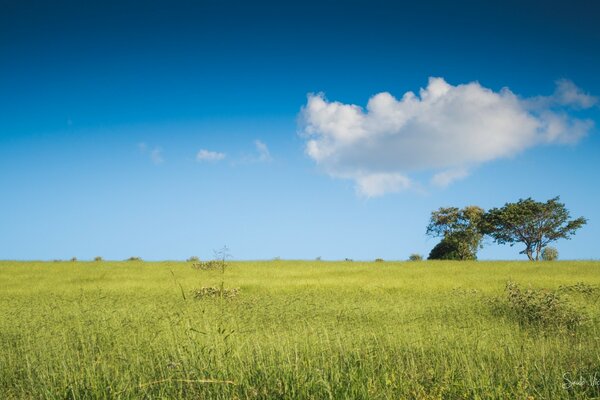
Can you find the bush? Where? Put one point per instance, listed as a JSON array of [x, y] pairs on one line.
[[379, 260], [193, 259], [209, 265], [98, 258], [538, 307], [549, 254], [134, 259], [451, 248], [208, 292], [348, 259], [74, 259], [415, 257], [579, 287]]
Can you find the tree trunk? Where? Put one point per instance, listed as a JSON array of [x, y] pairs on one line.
[[530, 255]]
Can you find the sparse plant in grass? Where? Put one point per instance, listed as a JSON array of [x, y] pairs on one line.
[[415, 257], [219, 263], [379, 260], [538, 307], [213, 292], [193, 259], [208, 265], [579, 287], [98, 258], [134, 259], [549, 254]]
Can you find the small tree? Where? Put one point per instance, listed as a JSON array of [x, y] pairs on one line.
[[415, 257], [533, 223], [549, 254], [460, 232], [450, 248]]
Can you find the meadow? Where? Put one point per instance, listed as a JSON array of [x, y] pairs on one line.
[[298, 330]]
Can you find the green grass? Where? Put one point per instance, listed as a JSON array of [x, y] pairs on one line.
[[297, 329]]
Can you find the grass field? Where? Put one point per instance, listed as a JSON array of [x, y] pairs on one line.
[[296, 329]]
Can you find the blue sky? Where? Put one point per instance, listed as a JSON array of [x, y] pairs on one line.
[[104, 108]]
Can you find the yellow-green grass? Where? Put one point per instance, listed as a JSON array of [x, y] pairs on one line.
[[297, 329]]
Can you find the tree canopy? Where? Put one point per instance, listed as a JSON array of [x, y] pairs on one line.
[[532, 223], [459, 230]]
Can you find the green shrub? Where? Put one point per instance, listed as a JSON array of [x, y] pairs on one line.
[[193, 259], [549, 254], [134, 259], [415, 257], [208, 292], [450, 248], [209, 265], [379, 260], [538, 307], [74, 259], [579, 287], [98, 258]]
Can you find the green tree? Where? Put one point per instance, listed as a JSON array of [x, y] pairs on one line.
[[459, 230], [532, 223], [549, 253]]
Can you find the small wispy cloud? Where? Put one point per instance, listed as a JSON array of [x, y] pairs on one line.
[[261, 154], [155, 154], [264, 155], [445, 178], [209, 156]]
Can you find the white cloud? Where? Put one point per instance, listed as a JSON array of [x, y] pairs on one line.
[[568, 94], [263, 151], [377, 184], [206, 155], [445, 178], [446, 130]]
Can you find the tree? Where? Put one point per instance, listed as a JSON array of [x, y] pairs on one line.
[[549, 253], [460, 232], [533, 223], [450, 249]]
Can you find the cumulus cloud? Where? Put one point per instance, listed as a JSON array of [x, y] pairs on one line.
[[445, 130], [210, 156]]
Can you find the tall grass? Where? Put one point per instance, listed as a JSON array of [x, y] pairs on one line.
[[385, 330]]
